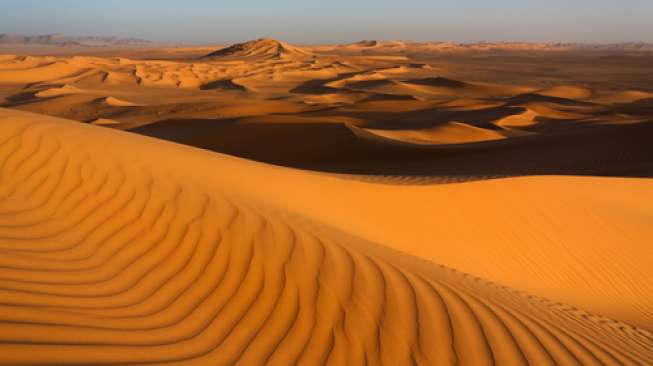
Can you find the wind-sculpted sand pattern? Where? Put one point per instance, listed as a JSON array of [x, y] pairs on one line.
[[106, 258]]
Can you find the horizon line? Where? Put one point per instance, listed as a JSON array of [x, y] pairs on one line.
[[383, 39]]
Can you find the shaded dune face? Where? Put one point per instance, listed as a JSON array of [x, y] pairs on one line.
[[603, 151], [107, 258]]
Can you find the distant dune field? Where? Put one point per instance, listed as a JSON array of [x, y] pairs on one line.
[[379, 203]]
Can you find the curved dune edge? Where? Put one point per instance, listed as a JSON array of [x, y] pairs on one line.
[[109, 256], [567, 92], [104, 122], [56, 91], [115, 102], [444, 134]]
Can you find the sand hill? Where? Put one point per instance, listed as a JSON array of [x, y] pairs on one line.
[[108, 258], [264, 48]]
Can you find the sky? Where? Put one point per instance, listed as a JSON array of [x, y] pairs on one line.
[[336, 21]]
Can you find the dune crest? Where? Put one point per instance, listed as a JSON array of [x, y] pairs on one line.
[[115, 102], [449, 133], [110, 259], [104, 122]]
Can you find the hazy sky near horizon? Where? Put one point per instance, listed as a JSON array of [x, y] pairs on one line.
[[334, 21]]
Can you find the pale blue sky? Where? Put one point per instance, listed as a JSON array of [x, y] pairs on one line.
[[330, 21]]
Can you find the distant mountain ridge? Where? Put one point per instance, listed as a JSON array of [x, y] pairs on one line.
[[271, 48], [63, 40], [377, 45]]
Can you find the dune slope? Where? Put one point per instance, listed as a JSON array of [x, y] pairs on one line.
[[108, 256]]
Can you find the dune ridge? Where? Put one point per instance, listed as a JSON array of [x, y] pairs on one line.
[[451, 133], [107, 258]]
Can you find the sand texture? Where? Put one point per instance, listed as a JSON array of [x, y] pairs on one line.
[[108, 258]]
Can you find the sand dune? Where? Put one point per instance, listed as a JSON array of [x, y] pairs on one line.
[[444, 134], [568, 92], [104, 122], [223, 85], [264, 47], [525, 119], [115, 102], [114, 259], [63, 90]]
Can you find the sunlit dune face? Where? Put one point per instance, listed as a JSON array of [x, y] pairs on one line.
[[109, 258]]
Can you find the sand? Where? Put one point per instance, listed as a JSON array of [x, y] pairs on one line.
[[446, 211], [445, 134], [266, 76], [195, 261]]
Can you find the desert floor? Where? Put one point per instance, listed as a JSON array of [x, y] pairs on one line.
[[374, 203]]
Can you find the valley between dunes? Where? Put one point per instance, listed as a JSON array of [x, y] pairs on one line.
[[343, 205]]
